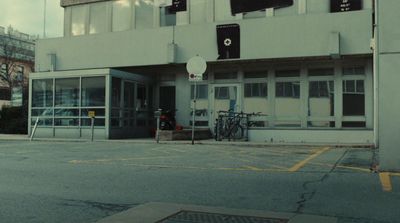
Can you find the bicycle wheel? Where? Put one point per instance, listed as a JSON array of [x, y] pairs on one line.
[[236, 132]]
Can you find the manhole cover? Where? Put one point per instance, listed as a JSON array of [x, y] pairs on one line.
[[199, 217]]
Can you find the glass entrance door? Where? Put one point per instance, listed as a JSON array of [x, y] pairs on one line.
[[226, 97]]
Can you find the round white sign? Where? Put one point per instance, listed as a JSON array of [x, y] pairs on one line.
[[196, 65]]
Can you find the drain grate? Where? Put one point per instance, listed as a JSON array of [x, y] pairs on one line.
[[200, 217]]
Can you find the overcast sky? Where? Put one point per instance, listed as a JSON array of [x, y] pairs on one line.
[[27, 16]]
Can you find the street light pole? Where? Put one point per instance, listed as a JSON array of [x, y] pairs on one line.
[[44, 18]]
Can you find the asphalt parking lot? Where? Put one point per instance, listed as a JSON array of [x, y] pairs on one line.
[[50, 181]]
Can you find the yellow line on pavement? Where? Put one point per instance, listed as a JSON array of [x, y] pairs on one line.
[[245, 168], [395, 174], [302, 163], [385, 181]]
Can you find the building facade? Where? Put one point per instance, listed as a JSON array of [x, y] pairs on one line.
[[307, 66], [17, 55]]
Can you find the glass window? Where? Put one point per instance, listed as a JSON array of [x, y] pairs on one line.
[[67, 92], [141, 97], [129, 95], [116, 92], [321, 102], [201, 91], [354, 70], [42, 93], [255, 90], [256, 74], [166, 17], [97, 19], [353, 98], [321, 72], [144, 14], [287, 104], [287, 73], [93, 91], [222, 93], [78, 20], [223, 76], [288, 89], [121, 15]]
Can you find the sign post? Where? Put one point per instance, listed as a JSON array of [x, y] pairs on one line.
[[92, 115], [196, 66], [157, 115]]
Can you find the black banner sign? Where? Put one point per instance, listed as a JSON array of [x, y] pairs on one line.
[[345, 5], [239, 6], [177, 6], [228, 40]]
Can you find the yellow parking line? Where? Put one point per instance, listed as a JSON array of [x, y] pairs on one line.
[[302, 163], [385, 181], [395, 174]]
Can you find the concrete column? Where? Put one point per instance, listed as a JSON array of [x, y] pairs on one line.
[[388, 67]]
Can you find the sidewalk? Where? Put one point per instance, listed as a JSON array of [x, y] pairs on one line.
[[12, 137]]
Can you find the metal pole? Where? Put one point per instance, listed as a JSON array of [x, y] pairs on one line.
[[158, 127], [92, 128], [34, 128], [44, 19], [194, 111]]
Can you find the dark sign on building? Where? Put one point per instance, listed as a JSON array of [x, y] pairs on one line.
[[177, 6], [345, 5], [239, 6], [228, 40]]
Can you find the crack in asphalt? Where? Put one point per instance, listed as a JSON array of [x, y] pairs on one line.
[[308, 195], [104, 207]]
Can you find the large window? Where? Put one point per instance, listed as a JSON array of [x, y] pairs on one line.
[[287, 99], [78, 20], [67, 92], [97, 21], [321, 104], [288, 89], [121, 15], [354, 96], [93, 91], [144, 12], [42, 93]]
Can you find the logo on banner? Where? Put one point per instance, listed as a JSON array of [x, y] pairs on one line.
[[228, 41]]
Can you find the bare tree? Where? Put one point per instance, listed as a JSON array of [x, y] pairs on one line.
[[11, 55]]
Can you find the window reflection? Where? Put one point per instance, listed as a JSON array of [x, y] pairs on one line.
[[78, 20], [93, 91], [67, 92], [97, 18], [121, 15]]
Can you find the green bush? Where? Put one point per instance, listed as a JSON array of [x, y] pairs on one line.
[[13, 120]]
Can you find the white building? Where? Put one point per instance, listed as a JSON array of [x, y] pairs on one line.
[[308, 65]]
